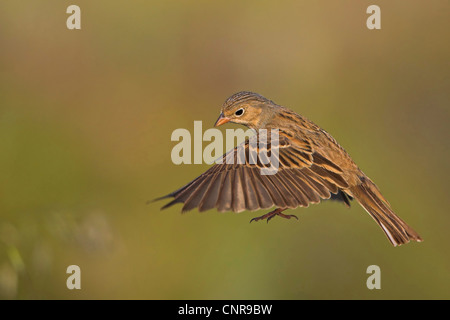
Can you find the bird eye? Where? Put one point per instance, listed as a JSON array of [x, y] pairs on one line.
[[239, 112]]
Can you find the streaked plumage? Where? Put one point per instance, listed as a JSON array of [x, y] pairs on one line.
[[313, 166]]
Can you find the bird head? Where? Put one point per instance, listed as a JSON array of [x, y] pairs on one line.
[[246, 108]]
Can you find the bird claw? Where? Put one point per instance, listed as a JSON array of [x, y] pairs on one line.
[[260, 218], [269, 216]]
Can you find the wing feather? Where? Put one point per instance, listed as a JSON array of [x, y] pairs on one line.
[[304, 176]]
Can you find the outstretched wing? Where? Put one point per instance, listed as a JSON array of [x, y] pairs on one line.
[[303, 176]]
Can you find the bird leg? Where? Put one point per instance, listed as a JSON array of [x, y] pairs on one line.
[[271, 214]]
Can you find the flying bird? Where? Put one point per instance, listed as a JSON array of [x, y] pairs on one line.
[[311, 166]]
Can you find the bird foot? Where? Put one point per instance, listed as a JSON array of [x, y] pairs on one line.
[[274, 213]]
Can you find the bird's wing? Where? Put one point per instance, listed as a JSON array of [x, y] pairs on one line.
[[303, 176]]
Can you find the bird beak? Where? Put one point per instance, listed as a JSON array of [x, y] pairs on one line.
[[221, 120]]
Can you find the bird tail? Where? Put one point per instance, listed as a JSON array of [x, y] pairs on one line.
[[371, 199]]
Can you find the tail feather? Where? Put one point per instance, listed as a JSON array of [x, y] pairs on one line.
[[370, 198]]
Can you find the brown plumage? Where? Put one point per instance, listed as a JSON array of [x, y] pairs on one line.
[[312, 166]]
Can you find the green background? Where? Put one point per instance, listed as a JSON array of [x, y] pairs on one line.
[[86, 118]]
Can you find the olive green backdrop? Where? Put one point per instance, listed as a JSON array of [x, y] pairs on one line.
[[86, 118]]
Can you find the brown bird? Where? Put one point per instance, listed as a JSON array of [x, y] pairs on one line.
[[312, 166]]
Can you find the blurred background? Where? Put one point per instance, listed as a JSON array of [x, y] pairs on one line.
[[86, 118]]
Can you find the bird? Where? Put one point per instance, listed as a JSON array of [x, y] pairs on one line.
[[312, 166]]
